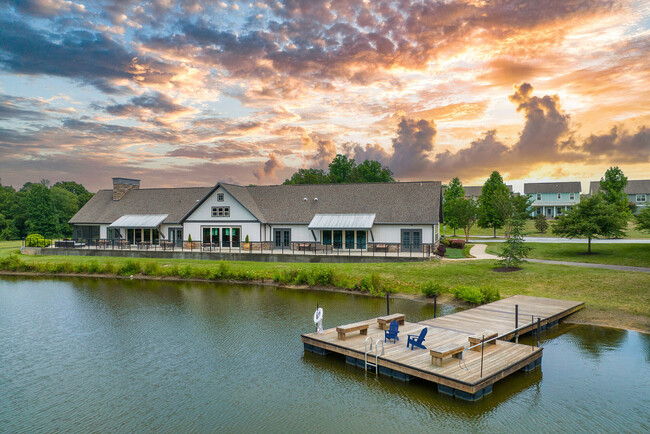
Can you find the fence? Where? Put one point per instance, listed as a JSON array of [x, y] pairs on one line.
[[294, 248]]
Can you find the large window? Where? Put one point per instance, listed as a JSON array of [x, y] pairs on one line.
[[222, 236], [640, 197], [220, 211], [86, 232], [339, 239], [139, 235]]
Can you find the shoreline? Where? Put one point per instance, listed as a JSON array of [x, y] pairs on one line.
[[586, 316]]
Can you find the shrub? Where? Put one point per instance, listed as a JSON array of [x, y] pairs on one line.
[[224, 270], [93, 267], [371, 284], [189, 238], [541, 224], [129, 268], [325, 276], [441, 250], [12, 263], [108, 268], [445, 242], [36, 240], [305, 276], [247, 240], [152, 269], [490, 294], [476, 295], [457, 244], [80, 268], [431, 289]]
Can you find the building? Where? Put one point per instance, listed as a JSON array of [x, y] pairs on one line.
[[551, 199], [339, 216], [638, 191], [474, 191]]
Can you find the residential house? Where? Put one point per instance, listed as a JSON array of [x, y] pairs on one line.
[[474, 191], [337, 215], [551, 199], [638, 191]]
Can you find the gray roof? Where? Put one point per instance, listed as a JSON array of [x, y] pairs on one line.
[[392, 202], [175, 202], [552, 187], [632, 187], [342, 221], [475, 190]]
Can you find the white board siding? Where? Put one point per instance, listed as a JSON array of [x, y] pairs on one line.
[[393, 233], [204, 212], [298, 233]]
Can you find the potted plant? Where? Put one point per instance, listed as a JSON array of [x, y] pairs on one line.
[[247, 243], [189, 244]]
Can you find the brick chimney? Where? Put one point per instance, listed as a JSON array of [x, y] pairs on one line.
[[122, 185]]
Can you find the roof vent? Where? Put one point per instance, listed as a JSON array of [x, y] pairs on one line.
[[305, 199], [315, 199]]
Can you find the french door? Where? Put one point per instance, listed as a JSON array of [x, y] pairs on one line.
[[282, 238], [411, 239]]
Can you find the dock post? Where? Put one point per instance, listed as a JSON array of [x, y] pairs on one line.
[[387, 303], [532, 327], [539, 330], [482, 348], [435, 304], [516, 323]]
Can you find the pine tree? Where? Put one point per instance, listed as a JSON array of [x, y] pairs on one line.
[[514, 250]]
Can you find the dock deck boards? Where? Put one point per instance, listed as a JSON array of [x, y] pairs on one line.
[[499, 360]]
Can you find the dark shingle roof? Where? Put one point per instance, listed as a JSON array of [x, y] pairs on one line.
[[552, 187], [632, 187], [475, 190], [395, 202], [176, 202]]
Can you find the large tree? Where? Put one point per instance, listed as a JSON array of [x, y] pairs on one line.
[[493, 191], [593, 217], [308, 176], [66, 205], [78, 190], [343, 169], [510, 206], [612, 187], [41, 213], [465, 211], [453, 192], [643, 219], [371, 171]]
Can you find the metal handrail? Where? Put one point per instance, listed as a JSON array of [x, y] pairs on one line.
[[366, 351]]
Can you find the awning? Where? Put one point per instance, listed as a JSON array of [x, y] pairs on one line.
[[342, 221], [142, 221]]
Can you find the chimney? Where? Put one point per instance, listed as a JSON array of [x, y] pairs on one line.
[[122, 185]]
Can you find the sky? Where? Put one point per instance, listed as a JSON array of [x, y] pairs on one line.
[[192, 92]]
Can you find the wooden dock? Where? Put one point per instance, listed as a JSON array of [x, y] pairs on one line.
[[469, 377]]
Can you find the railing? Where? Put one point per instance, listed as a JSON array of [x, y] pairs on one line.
[[266, 247]]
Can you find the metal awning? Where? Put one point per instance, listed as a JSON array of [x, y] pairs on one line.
[[342, 221], [143, 221]]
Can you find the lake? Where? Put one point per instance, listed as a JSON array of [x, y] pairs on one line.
[[110, 355]]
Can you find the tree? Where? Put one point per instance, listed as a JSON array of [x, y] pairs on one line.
[[41, 213], [465, 211], [509, 206], [493, 190], [643, 219], [453, 191], [612, 187], [78, 190], [341, 169], [8, 230], [66, 205], [541, 224], [514, 250], [371, 171], [591, 218], [308, 176]]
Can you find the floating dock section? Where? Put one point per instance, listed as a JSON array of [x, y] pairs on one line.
[[465, 353]]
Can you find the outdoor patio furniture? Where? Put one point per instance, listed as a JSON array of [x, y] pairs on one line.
[[441, 355], [385, 321], [392, 332], [416, 340]]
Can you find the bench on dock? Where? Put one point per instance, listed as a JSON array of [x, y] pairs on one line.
[[441, 355], [384, 321], [480, 337], [362, 327]]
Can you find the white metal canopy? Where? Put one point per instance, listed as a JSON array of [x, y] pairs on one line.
[[342, 221], [143, 221]]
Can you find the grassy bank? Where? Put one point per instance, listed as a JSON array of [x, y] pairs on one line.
[[634, 255], [529, 230], [613, 297]]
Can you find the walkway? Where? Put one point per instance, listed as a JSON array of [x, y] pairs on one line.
[[478, 251], [490, 239]]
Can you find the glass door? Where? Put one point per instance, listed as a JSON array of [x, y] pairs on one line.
[[349, 239], [338, 239], [234, 237], [361, 239], [282, 238], [411, 239], [225, 237]]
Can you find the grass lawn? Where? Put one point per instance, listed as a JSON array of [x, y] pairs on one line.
[[624, 296], [529, 230], [634, 255]]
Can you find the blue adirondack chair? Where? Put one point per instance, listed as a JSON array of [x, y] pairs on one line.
[[416, 340], [392, 332]]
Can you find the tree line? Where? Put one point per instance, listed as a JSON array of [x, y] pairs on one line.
[[343, 170], [39, 208]]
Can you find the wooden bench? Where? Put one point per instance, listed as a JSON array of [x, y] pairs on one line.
[[380, 247], [441, 355], [362, 327], [479, 337], [384, 321]]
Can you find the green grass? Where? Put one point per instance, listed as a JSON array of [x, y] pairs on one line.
[[459, 253], [616, 292], [529, 230], [635, 255]]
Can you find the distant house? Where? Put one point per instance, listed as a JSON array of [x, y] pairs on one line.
[[474, 191], [638, 191], [336, 215], [551, 199]]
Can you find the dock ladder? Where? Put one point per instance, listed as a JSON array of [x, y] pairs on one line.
[[368, 350]]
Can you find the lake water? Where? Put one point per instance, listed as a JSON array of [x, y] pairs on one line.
[[107, 355]]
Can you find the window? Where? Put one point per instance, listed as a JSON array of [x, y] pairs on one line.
[[221, 236], [219, 197], [220, 211], [640, 197], [559, 195], [572, 196], [539, 196]]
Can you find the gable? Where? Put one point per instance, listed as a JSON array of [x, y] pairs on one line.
[[203, 212]]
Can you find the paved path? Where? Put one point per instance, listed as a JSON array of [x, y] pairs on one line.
[[478, 251], [489, 239]]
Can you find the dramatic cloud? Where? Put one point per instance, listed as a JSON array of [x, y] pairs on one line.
[[269, 169]]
